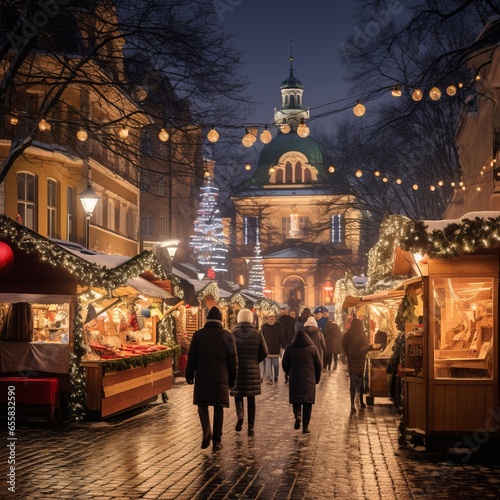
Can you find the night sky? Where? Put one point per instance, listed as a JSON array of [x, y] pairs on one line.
[[263, 31]]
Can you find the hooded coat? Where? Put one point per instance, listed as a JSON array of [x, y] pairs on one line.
[[212, 365], [318, 340], [356, 346], [252, 349], [333, 338], [302, 363]]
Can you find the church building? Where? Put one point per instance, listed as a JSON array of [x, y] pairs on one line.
[[294, 210]]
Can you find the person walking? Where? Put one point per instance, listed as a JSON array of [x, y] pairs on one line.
[[251, 350], [273, 335], [356, 345], [333, 341], [212, 366], [311, 328], [299, 323], [302, 363]]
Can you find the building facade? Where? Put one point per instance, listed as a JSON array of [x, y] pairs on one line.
[[293, 209]]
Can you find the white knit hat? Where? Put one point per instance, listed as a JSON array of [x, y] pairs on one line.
[[245, 316], [311, 322]]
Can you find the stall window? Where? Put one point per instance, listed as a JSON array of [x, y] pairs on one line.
[[26, 199], [462, 327]]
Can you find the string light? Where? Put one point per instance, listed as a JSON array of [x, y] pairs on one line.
[[248, 139], [417, 95], [435, 94], [376, 173], [415, 187], [14, 120], [81, 135], [451, 90], [285, 128], [396, 91], [213, 135], [248, 166], [163, 135], [265, 136], [359, 109], [331, 169], [303, 129], [358, 174], [43, 125], [123, 133]]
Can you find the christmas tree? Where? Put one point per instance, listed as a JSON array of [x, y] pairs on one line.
[[208, 241], [256, 281]]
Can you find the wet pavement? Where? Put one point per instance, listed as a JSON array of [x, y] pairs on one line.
[[155, 453]]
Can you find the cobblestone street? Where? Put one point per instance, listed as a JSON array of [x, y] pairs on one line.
[[155, 454]]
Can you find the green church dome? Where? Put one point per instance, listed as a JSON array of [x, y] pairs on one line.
[[291, 82]]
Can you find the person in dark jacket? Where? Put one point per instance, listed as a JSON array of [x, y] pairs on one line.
[[273, 335], [306, 312], [302, 364], [251, 349], [212, 366], [285, 319], [333, 341], [356, 345], [311, 328]]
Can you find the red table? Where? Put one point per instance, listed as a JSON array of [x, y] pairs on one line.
[[33, 392]]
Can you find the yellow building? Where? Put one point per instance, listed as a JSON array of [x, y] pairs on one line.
[[292, 206], [478, 138]]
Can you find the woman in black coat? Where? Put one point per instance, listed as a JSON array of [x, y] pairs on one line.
[[356, 345], [212, 367], [251, 349], [302, 364]]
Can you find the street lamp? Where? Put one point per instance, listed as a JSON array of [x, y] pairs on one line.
[[171, 247], [89, 200], [201, 275]]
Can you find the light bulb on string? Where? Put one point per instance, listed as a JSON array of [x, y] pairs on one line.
[[415, 187], [359, 109], [358, 174], [284, 128], [331, 169], [14, 120], [417, 95], [213, 135], [123, 133], [43, 125], [451, 90], [265, 136], [396, 91], [399, 181], [441, 183], [432, 188], [272, 169], [435, 94], [248, 166], [163, 135], [82, 135], [248, 139], [303, 129], [376, 173], [385, 179]]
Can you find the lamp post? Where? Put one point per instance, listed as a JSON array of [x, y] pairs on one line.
[[171, 247], [89, 201]]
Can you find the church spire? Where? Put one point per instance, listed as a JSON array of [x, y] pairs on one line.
[[291, 111]]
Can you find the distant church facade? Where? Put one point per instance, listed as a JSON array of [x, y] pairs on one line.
[[293, 208]]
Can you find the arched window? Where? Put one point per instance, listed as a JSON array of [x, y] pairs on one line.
[[26, 199], [292, 100], [307, 175], [286, 99], [279, 176], [298, 100], [298, 172], [289, 173]]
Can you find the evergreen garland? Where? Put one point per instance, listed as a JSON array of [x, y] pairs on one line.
[[140, 361]]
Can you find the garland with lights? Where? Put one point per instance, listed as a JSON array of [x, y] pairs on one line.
[[210, 289], [256, 280], [453, 240], [140, 361]]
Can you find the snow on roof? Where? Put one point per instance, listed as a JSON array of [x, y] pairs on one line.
[[441, 224]]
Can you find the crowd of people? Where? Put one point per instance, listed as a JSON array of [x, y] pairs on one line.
[[223, 363]]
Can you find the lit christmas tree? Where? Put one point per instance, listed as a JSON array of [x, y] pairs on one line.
[[256, 280], [208, 241]]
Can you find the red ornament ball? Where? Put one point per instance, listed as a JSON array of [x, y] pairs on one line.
[[6, 256]]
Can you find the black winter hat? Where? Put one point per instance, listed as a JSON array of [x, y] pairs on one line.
[[214, 314]]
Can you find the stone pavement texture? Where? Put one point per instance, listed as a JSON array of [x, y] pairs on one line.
[[155, 454]]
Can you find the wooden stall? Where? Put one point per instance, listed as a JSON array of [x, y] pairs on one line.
[[68, 314]]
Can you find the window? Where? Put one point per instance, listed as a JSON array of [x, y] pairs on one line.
[[70, 208], [288, 173], [337, 229], [117, 222], [250, 230], [463, 328], [163, 225], [147, 225], [161, 187], [26, 199], [51, 208]]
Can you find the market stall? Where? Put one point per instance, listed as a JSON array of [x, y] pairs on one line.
[[89, 321], [449, 318]]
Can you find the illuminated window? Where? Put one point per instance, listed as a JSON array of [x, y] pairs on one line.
[[51, 208], [250, 230], [26, 199], [337, 229]]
